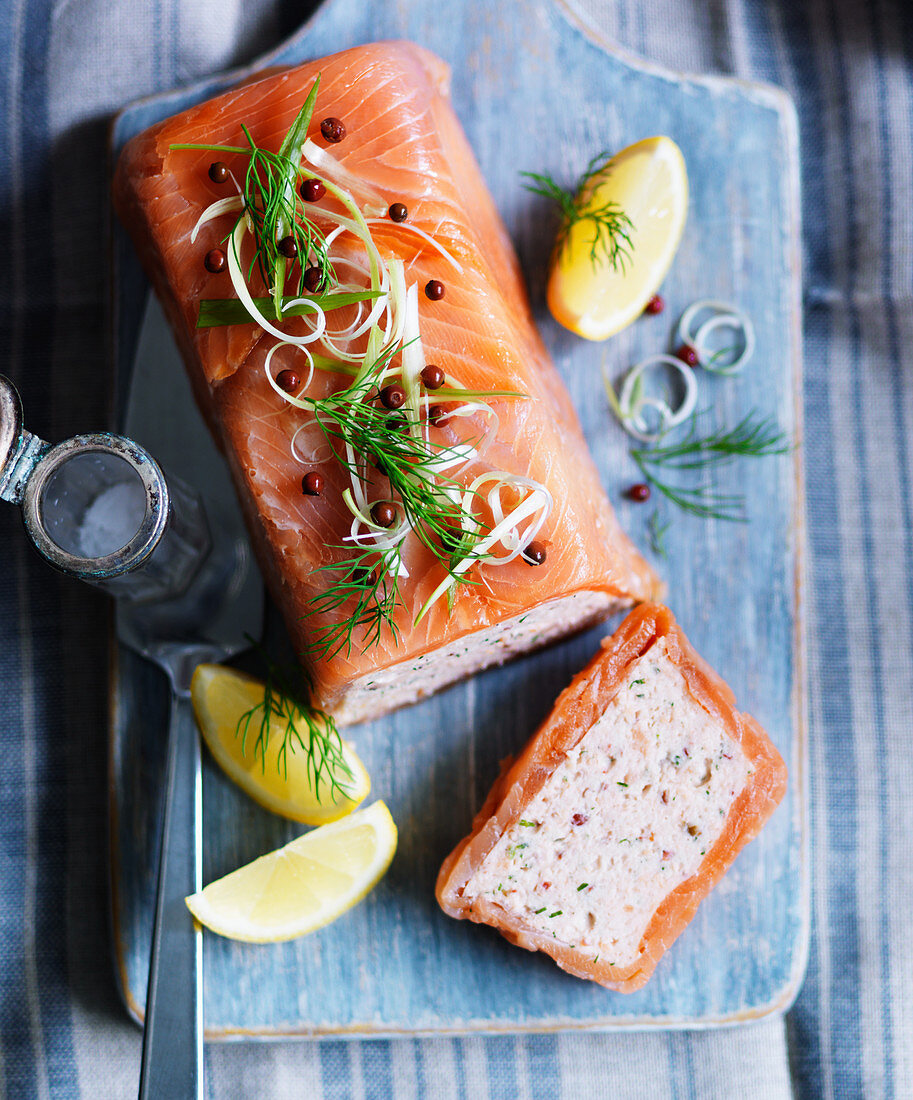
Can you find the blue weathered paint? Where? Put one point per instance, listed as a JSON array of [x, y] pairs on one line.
[[534, 92]]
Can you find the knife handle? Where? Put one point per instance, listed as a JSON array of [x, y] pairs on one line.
[[172, 1067]]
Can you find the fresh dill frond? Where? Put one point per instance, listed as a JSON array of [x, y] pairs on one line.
[[304, 727], [351, 419], [753, 437], [611, 240], [657, 532], [368, 582], [370, 444]]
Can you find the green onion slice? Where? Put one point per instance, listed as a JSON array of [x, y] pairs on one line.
[[232, 311]]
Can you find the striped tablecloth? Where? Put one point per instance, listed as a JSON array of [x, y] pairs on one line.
[[67, 65]]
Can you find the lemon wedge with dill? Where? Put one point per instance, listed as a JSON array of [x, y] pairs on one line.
[[303, 886], [599, 281], [292, 763]]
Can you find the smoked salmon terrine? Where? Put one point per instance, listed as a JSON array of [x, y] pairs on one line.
[[355, 325], [622, 813]]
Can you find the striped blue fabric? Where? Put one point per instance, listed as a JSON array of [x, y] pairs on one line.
[[67, 65]]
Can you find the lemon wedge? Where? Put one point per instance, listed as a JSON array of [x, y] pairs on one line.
[[649, 183], [303, 886], [221, 697]]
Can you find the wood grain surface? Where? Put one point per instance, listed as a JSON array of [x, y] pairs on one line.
[[533, 91]]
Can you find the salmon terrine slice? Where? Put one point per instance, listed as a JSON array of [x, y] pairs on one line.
[[622, 813], [402, 147]]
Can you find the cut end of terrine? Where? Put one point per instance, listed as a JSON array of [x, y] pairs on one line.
[[621, 814], [406, 682]]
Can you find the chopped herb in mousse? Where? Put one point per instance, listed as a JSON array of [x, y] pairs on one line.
[[627, 816], [299, 252]]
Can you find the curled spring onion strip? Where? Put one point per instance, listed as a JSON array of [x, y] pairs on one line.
[[425, 236], [329, 344], [237, 280], [360, 515], [397, 302], [357, 480], [725, 316], [453, 457], [344, 333], [539, 499], [359, 227], [361, 231], [470, 408], [630, 405], [356, 224], [739, 323], [321, 453], [382, 537], [413, 357], [327, 163], [378, 305], [513, 540], [272, 381], [231, 205]]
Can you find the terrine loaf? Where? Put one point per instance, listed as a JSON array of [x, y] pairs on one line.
[[388, 181], [621, 814]]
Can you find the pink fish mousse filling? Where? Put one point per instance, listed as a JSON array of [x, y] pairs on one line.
[[625, 818]]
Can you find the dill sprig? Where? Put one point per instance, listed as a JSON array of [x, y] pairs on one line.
[[368, 577], [753, 437], [275, 210], [304, 727], [350, 418], [368, 441], [611, 241]]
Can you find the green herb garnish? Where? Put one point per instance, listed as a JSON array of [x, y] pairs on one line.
[[372, 592], [753, 437], [366, 579], [232, 311], [611, 241], [274, 209], [305, 727]]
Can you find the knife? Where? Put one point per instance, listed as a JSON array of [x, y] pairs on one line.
[[209, 621]]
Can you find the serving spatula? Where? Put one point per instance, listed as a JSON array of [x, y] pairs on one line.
[[209, 621]]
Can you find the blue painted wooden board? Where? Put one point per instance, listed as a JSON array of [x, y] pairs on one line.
[[534, 92]]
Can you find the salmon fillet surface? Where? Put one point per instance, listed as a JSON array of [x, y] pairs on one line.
[[622, 813], [403, 139]]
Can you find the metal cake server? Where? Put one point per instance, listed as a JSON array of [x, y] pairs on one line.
[[207, 622]]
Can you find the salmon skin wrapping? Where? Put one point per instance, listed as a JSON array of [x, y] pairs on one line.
[[637, 854], [403, 141]]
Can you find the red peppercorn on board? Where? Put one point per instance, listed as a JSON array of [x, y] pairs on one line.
[[621, 814]]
